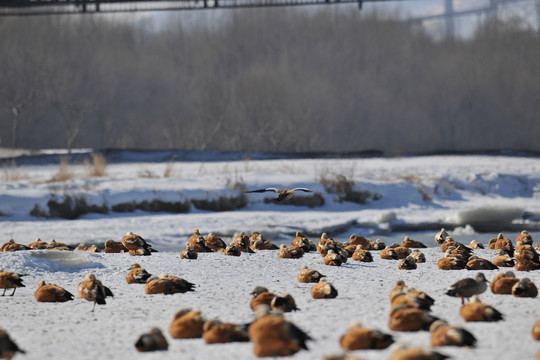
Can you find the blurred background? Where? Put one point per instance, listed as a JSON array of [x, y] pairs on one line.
[[397, 77]]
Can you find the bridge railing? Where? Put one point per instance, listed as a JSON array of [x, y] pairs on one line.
[[38, 7]]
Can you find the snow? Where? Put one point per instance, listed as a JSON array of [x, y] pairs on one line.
[[467, 193]]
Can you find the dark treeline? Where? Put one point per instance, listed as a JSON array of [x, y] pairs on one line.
[[275, 80]]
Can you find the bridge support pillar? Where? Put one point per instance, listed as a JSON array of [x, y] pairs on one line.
[[449, 18]]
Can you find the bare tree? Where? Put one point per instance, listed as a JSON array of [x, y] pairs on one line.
[[17, 89]]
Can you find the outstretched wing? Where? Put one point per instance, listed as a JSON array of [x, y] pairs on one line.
[[302, 189], [261, 190]]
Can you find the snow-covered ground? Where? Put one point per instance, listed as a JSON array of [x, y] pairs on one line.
[[471, 193], [463, 192]]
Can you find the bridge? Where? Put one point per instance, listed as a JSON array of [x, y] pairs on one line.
[[47, 7]]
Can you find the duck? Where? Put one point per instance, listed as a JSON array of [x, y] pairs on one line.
[[407, 264], [217, 332], [283, 303], [524, 237], [38, 244], [10, 280], [402, 352], [186, 324], [332, 259], [137, 274], [476, 263], [503, 282], [11, 245], [401, 251], [167, 285], [378, 244], [526, 265], [525, 253], [535, 331], [503, 260], [465, 288], [502, 243], [525, 288], [459, 247], [135, 242], [302, 242], [114, 247], [194, 237], [443, 334], [285, 252], [356, 239], [323, 290], [359, 337], [475, 244], [361, 254], [232, 250], [200, 245], [441, 236], [475, 310], [252, 239], [410, 243], [273, 335], [325, 243], [140, 252], [53, 245], [260, 295], [398, 288], [458, 253], [450, 263], [307, 275], [418, 256], [92, 289], [411, 298], [214, 242], [8, 348], [242, 242], [260, 244], [388, 254], [84, 247], [152, 341], [282, 194], [189, 253], [403, 318], [51, 293]]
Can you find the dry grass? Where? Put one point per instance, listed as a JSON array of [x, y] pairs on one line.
[[236, 185], [10, 172], [223, 203], [145, 173], [71, 207], [311, 201], [153, 206], [63, 173], [96, 167], [344, 189], [168, 169], [417, 182]]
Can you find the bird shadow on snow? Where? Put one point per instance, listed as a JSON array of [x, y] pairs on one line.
[[353, 266]]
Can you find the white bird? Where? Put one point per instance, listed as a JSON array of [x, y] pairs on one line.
[[282, 194]]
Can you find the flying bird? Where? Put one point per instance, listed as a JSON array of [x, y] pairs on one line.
[[282, 194]]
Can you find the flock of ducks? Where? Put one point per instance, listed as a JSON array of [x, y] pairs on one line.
[[271, 333]]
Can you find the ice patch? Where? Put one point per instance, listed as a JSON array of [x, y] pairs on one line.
[[466, 230], [48, 261], [386, 217], [486, 215]]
